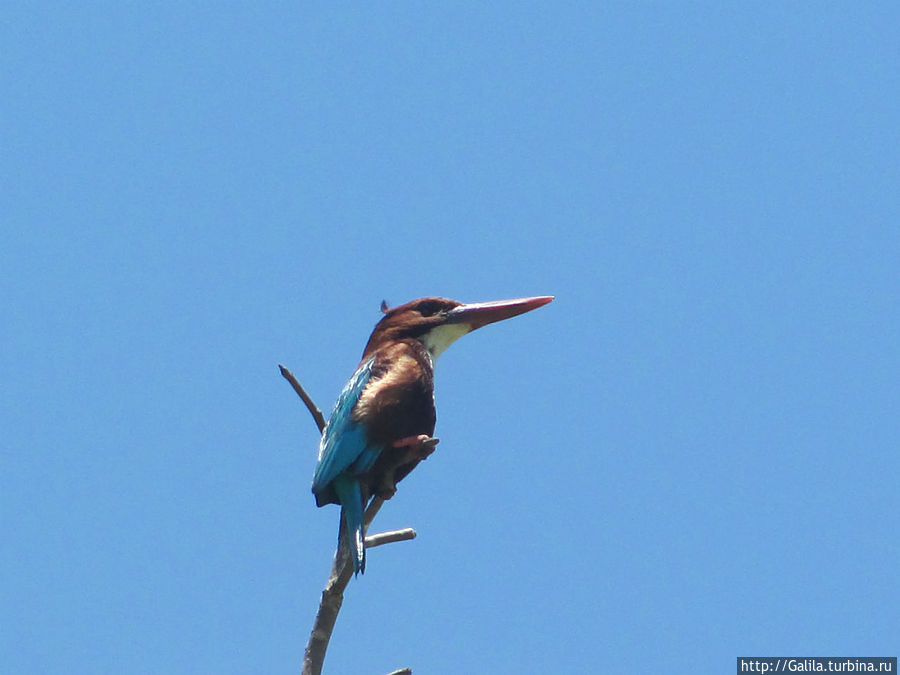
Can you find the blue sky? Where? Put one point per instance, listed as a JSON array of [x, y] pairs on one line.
[[689, 456]]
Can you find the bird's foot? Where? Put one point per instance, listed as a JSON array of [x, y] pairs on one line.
[[410, 450], [419, 447]]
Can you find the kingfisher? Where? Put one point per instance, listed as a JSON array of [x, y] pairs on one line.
[[382, 423]]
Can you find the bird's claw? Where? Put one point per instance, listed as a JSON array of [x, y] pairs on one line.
[[420, 446], [412, 449]]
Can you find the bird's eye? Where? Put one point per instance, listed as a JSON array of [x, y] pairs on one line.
[[428, 308]]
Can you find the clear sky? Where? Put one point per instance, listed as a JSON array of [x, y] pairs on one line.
[[691, 455]]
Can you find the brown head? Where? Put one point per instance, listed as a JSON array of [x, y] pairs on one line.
[[438, 322]]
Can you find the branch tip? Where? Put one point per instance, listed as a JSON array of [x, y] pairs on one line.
[[317, 416]]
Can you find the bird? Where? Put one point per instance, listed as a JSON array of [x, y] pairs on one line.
[[382, 423]]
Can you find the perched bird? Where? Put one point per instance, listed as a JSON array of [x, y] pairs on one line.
[[382, 423]]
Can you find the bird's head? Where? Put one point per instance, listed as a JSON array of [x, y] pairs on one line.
[[438, 322]]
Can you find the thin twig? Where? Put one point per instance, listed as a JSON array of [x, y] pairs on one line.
[[381, 538], [301, 392]]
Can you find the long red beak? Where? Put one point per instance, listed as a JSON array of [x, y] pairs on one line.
[[478, 314]]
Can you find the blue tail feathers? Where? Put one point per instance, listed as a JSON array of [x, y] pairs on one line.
[[350, 496]]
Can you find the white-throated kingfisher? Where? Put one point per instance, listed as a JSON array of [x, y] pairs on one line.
[[382, 423]]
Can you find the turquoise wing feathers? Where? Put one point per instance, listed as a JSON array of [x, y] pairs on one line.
[[344, 443], [344, 453]]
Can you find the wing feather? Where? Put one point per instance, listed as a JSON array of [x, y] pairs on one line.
[[344, 441]]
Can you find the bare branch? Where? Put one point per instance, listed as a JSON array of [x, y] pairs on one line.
[[301, 392], [381, 538], [332, 599], [333, 595], [374, 507]]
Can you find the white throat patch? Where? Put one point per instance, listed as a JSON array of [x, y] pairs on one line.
[[440, 337]]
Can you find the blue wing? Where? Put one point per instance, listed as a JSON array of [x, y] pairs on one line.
[[344, 443]]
